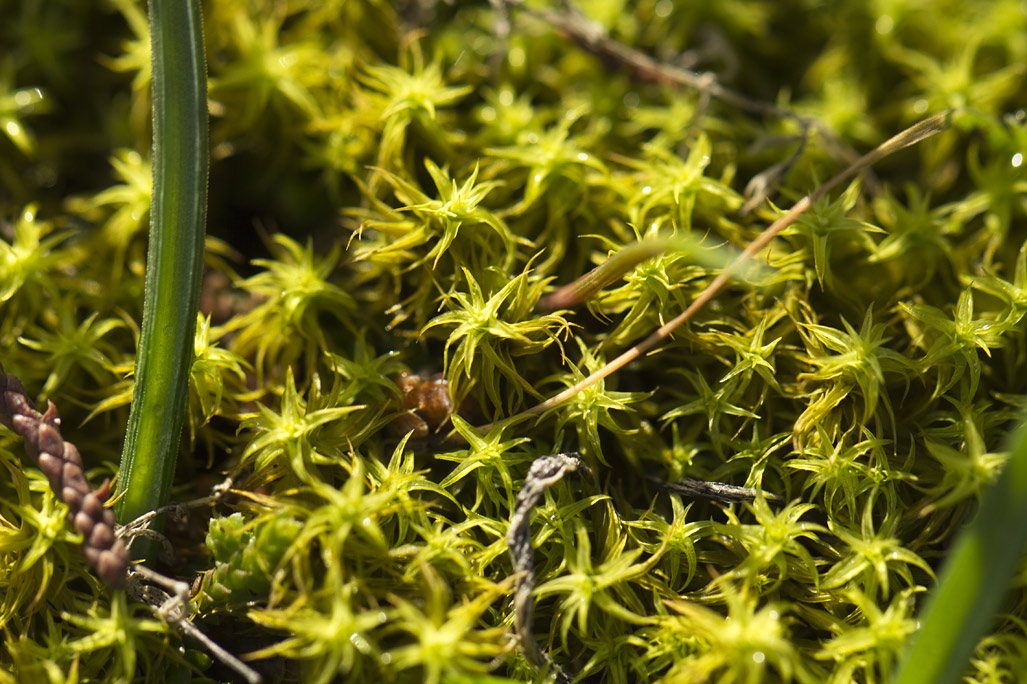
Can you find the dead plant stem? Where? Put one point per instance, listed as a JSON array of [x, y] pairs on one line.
[[910, 136]]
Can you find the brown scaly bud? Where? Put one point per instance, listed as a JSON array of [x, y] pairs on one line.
[[61, 463], [429, 405]]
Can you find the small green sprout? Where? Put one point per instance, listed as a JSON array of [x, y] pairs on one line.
[[999, 199], [952, 344], [288, 438], [713, 404], [37, 544], [958, 82], [329, 634], [605, 585], [442, 544], [488, 333], [873, 555], [1013, 294], [745, 647], [836, 467], [913, 228], [486, 457], [112, 637], [124, 209], [546, 158], [671, 119], [860, 361], [446, 637], [656, 284], [774, 546], [293, 290], [350, 520], [406, 98], [505, 116], [400, 476], [135, 58], [965, 471], [367, 377], [751, 355], [266, 75], [74, 346], [678, 535], [594, 406], [212, 368], [666, 187], [841, 101], [27, 260], [875, 645], [825, 226], [439, 221], [15, 104]]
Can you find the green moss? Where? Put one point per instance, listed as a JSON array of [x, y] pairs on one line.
[[402, 187]]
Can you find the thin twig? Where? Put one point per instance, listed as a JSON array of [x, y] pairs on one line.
[[711, 490], [759, 186], [592, 37], [912, 135], [142, 523], [172, 604], [544, 473]]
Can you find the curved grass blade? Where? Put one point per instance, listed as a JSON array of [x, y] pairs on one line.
[[174, 259], [627, 258], [975, 578], [911, 136]]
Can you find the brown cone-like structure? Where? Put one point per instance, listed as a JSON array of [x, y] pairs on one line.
[[61, 463]]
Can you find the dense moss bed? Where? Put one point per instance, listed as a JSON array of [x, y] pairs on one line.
[[397, 189]]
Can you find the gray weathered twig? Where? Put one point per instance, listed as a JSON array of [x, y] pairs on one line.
[[544, 472], [169, 598], [709, 490]]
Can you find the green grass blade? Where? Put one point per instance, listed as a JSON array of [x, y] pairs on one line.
[[175, 257], [974, 579]]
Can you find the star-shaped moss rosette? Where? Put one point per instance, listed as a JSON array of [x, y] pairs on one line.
[[516, 202]]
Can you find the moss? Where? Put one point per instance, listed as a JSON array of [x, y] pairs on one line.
[[402, 187]]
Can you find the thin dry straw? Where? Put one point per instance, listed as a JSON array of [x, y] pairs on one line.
[[61, 463], [912, 135]]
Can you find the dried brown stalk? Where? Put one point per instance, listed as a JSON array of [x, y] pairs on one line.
[[911, 136], [106, 552], [61, 463]]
